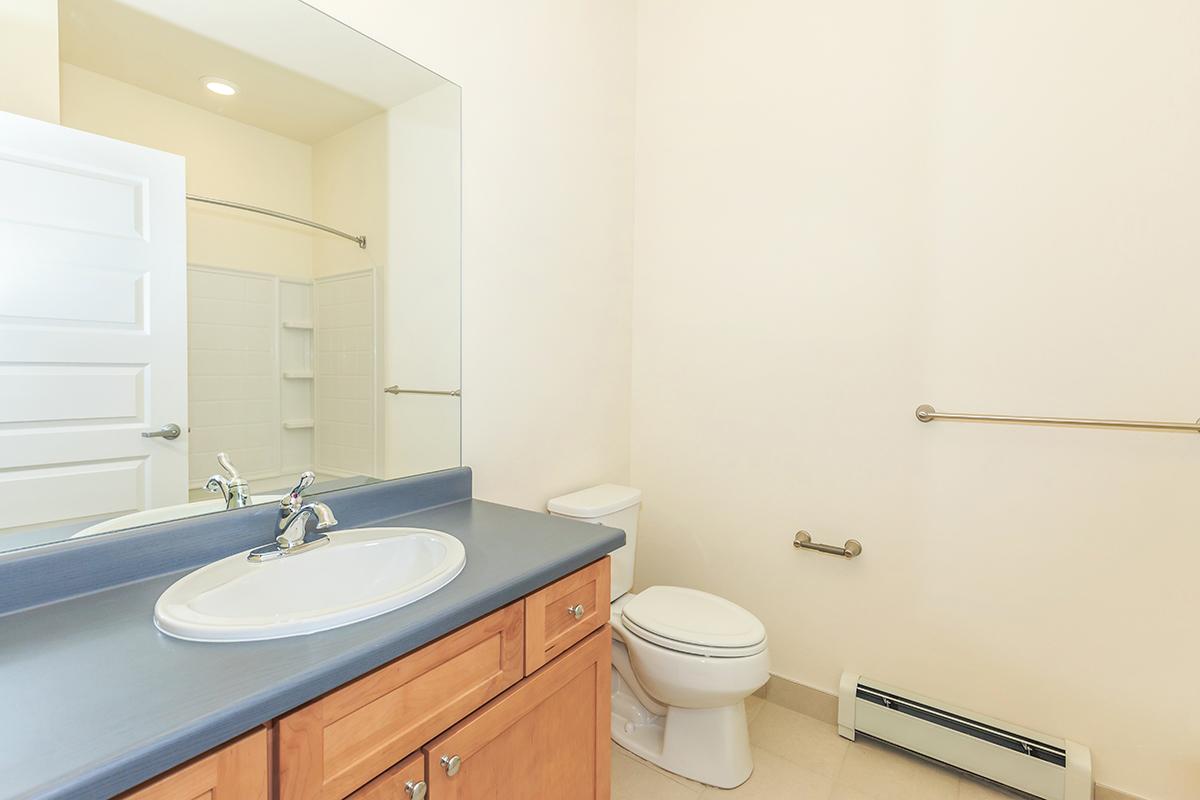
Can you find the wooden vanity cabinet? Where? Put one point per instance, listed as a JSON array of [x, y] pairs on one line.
[[517, 702], [339, 742], [235, 771], [548, 737]]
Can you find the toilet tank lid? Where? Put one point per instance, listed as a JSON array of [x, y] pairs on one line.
[[607, 498]]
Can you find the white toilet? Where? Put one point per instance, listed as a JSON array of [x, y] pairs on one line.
[[684, 661]]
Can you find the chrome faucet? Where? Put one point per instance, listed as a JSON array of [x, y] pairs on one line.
[[233, 488], [292, 529], [294, 526]]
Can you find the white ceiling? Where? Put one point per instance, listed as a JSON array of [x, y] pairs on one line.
[[300, 73]]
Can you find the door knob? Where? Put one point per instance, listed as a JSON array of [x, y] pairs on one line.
[[416, 789], [168, 431], [576, 611], [452, 764]]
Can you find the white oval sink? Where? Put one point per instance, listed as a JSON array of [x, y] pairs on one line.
[[361, 573], [168, 513]]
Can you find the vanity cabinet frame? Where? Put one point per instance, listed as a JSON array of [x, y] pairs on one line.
[[239, 770], [522, 721]]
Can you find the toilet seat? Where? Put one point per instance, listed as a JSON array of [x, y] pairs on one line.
[[694, 622]]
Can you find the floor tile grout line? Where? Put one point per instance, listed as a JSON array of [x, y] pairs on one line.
[[837, 773], [693, 786], [835, 779], [620, 752]]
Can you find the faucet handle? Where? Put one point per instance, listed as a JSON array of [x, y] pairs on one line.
[[228, 466], [293, 501], [218, 485]]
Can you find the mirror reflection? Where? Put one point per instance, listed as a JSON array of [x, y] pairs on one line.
[[236, 261]]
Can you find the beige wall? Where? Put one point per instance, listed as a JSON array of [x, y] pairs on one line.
[[395, 178], [423, 282], [848, 209], [350, 192], [225, 159], [29, 58], [547, 109]]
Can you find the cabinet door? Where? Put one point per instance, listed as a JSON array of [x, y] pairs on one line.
[[547, 737], [405, 781], [236, 771], [337, 743], [561, 614]]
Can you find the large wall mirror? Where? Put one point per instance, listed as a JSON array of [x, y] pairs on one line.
[[235, 260]]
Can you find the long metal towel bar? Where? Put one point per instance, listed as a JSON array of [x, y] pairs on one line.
[[442, 392], [927, 413], [361, 241]]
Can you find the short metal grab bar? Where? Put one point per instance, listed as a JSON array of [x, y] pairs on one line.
[[852, 548], [442, 392], [927, 413]]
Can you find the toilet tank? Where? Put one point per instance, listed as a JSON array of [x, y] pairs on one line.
[[612, 505]]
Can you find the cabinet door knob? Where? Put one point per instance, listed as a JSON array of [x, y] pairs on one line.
[[416, 789], [452, 764], [576, 611]]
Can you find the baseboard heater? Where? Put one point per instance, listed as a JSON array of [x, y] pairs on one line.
[[1034, 763]]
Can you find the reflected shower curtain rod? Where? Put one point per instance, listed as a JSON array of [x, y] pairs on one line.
[[361, 241]]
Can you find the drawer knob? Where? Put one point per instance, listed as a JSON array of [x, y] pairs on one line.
[[576, 611], [452, 764], [416, 789]]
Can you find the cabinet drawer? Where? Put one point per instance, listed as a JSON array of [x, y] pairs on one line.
[[337, 743], [404, 781], [551, 626], [236, 771], [547, 737]]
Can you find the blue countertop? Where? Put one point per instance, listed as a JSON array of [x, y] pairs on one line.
[[95, 700]]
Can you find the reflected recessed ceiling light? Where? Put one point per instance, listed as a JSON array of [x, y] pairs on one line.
[[219, 86]]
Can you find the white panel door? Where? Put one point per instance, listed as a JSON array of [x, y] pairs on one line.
[[93, 316]]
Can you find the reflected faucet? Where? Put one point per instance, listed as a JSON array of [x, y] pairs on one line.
[[233, 488]]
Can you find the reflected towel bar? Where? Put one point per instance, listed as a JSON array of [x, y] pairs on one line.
[[927, 413], [443, 392], [361, 241]]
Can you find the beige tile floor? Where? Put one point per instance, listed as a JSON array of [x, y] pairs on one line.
[[799, 757]]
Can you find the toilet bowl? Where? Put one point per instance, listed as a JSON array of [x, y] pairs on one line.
[[684, 661], [680, 703]]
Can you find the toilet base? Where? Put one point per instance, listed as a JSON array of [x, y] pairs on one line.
[[708, 745]]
